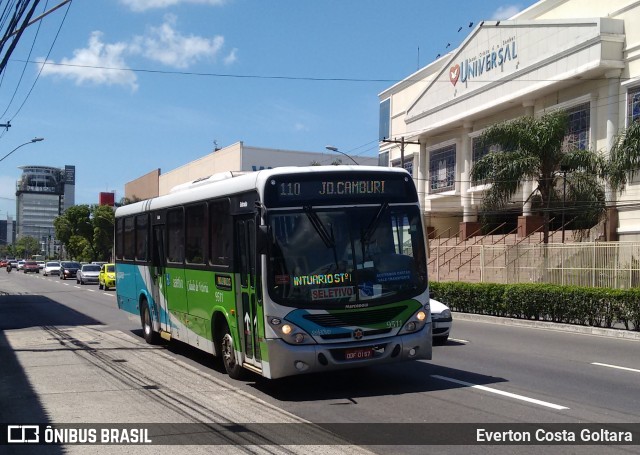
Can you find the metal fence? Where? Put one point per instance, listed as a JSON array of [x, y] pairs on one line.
[[595, 264]]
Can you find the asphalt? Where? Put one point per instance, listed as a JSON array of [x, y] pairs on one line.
[[88, 376]]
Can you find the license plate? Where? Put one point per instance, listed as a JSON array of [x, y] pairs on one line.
[[358, 354]]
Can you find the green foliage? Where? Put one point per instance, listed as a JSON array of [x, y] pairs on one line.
[[535, 149], [597, 307], [86, 232], [26, 247], [624, 162]]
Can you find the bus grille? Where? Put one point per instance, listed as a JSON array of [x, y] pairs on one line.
[[360, 318]]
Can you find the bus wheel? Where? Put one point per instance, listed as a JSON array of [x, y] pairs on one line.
[[150, 336], [234, 370]]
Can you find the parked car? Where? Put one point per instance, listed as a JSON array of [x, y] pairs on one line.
[[88, 273], [51, 268], [442, 321], [69, 269], [30, 267], [107, 276]]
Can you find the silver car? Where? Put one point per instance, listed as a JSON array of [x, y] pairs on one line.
[[88, 273], [442, 320]]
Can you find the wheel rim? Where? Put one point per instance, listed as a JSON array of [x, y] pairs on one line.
[[228, 354], [147, 322]]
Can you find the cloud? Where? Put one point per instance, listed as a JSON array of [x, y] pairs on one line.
[[143, 5], [232, 57], [91, 64], [102, 63], [505, 12], [165, 45]]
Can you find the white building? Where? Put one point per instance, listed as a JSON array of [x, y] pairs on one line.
[[579, 55], [236, 157]]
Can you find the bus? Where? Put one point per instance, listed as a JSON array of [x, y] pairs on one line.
[[281, 271]]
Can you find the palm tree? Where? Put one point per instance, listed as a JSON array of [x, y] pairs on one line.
[[624, 161], [536, 149]]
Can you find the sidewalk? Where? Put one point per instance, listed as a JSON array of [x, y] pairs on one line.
[[89, 378], [571, 328]]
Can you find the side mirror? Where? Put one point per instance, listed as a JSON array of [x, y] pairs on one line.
[[263, 237]]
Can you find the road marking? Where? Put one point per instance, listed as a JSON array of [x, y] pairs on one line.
[[500, 392], [615, 366]]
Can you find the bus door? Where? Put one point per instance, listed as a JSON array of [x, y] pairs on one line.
[[158, 278], [245, 237]]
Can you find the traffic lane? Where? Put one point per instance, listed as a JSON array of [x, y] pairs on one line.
[[405, 380], [564, 366], [88, 299]]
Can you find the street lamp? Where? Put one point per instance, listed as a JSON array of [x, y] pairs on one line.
[[35, 139], [335, 149]]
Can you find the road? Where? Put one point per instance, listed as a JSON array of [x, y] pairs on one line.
[[487, 373]]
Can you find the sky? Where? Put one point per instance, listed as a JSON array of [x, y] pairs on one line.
[[119, 88]]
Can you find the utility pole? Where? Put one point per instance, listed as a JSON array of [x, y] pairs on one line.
[[402, 142]]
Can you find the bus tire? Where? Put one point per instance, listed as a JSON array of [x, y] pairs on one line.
[[150, 336], [227, 351]]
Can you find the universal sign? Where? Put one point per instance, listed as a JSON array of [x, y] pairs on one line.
[[486, 61]]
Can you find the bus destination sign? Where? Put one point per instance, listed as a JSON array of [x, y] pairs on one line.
[[292, 191]]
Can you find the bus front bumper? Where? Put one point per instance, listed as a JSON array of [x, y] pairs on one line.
[[287, 360]]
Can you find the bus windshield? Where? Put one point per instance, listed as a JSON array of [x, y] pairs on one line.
[[327, 257]]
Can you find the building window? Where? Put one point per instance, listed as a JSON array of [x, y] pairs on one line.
[[578, 128], [479, 151], [383, 159], [633, 105], [384, 131], [408, 164], [442, 169]]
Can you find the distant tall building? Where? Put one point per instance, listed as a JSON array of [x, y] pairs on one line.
[[42, 194]]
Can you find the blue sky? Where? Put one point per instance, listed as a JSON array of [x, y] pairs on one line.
[[134, 85]]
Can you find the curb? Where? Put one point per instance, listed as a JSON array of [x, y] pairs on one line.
[[585, 330]]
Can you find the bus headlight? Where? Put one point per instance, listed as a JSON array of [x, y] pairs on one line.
[[415, 322], [289, 332]]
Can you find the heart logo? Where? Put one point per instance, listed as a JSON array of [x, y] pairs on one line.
[[454, 74]]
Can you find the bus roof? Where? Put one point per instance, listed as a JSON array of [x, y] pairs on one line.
[[228, 183]]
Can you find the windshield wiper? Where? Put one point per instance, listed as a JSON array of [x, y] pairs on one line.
[[373, 226], [318, 225]]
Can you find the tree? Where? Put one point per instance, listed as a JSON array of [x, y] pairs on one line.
[[536, 149], [103, 219], [86, 232], [27, 246], [624, 161]]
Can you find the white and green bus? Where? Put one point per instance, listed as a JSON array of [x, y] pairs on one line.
[[281, 271]]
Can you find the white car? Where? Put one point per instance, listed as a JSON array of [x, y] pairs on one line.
[[442, 320], [51, 268]]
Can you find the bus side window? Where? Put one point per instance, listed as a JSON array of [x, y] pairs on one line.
[[195, 233], [175, 236], [221, 233]]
